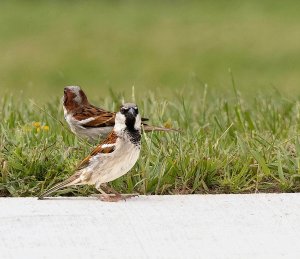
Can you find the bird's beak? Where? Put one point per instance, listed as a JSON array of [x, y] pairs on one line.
[[132, 111]]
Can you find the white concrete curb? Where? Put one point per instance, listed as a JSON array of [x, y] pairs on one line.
[[193, 226]]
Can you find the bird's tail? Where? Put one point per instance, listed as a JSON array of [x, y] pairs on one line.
[[74, 179], [148, 128]]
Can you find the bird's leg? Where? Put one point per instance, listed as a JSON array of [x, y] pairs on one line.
[[106, 197]]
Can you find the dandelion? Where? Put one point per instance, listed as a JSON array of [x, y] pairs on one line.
[[168, 124], [40, 127], [45, 128], [36, 124]]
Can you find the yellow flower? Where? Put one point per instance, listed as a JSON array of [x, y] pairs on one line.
[[36, 124], [168, 124], [46, 128], [38, 129]]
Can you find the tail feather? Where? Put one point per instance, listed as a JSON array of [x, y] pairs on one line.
[[148, 128], [74, 179]]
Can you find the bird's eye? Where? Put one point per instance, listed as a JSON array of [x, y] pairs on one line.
[[124, 109]]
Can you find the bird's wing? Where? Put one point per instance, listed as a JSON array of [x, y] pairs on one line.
[[106, 147], [91, 116]]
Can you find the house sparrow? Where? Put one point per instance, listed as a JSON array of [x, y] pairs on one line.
[[114, 157], [88, 121]]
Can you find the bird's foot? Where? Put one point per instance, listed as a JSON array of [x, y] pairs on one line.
[[115, 197]]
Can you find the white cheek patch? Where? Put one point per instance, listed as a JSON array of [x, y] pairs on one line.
[[138, 121], [65, 111], [119, 122], [78, 99]]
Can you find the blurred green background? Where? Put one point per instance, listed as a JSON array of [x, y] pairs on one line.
[[154, 45]]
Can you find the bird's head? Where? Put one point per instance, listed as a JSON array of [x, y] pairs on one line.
[[74, 97], [128, 118]]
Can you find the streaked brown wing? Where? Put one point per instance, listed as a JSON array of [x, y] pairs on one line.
[[111, 139], [102, 118], [105, 120]]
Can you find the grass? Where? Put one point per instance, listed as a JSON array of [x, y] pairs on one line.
[[231, 142], [227, 145]]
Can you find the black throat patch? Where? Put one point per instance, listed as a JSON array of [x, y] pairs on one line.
[[129, 122], [134, 136]]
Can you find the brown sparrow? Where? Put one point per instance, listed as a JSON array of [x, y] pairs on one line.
[[88, 121], [114, 157]]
